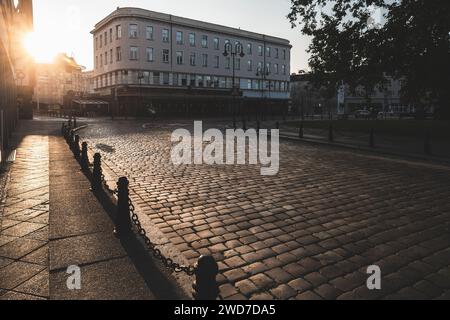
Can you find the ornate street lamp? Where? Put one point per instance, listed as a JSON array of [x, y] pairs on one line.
[[263, 72], [234, 51]]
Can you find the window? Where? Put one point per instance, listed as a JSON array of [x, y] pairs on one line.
[[119, 54], [268, 51], [179, 37], [249, 65], [192, 39], [227, 41], [260, 51], [165, 35], [101, 60], [166, 55], [133, 31], [283, 69], [118, 32], [237, 63], [216, 43], [204, 60], [192, 59], [249, 48], [106, 58], [284, 54], [134, 53], [111, 57], [260, 67], [96, 43], [149, 54], [96, 61], [106, 38], [179, 57], [101, 41], [110, 35], [277, 53], [149, 33], [204, 41], [227, 63], [268, 67], [275, 68], [216, 61], [249, 84]]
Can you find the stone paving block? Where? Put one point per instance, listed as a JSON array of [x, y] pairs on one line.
[[85, 249], [20, 247], [17, 273]]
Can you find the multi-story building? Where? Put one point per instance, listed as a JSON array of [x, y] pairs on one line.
[[57, 80], [16, 67], [149, 60]]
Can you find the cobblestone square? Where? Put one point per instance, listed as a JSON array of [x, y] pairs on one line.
[[308, 233]]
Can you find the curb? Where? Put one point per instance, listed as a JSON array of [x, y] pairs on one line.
[[373, 151]]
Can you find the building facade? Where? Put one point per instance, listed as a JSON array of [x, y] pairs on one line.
[[57, 80], [16, 67], [147, 60]]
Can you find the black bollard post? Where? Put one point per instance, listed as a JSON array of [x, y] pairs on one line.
[[74, 122], [301, 132], [331, 134], [427, 144], [372, 138], [71, 139], [96, 181], [84, 157], [123, 220], [76, 147], [205, 285]]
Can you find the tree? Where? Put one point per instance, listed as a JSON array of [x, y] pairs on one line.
[[361, 41]]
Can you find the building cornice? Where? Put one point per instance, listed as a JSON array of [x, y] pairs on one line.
[[130, 12]]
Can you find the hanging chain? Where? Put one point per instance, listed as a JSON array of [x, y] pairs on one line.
[[168, 263]]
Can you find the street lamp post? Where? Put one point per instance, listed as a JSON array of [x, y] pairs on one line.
[[234, 51], [263, 72], [140, 77]]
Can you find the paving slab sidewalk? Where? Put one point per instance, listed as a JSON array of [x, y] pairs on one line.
[[50, 221]]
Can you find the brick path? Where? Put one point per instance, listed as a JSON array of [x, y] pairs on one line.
[[50, 221], [308, 233]]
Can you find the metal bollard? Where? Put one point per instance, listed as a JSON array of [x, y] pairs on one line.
[[205, 285], [331, 134], [301, 131], [372, 138], [96, 182], [427, 143], [84, 161], [71, 139], [76, 147], [123, 220]]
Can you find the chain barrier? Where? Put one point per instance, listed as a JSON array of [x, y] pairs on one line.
[[157, 254]]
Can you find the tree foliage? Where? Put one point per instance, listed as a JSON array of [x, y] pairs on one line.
[[360, 41]]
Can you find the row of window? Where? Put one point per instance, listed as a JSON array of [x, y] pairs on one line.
[[126, 77], [180, 60], [133, 33]]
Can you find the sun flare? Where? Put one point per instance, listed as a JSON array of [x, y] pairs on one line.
[[39, 48]]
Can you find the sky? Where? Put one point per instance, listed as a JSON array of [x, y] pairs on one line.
[[65, 25]]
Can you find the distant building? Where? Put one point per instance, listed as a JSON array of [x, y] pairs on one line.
[[149, 60], [57, 80], [306, 99]]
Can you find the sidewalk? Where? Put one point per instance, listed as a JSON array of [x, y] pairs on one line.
[[50, 221]]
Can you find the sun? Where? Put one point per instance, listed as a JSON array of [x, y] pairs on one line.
[[38, 47]]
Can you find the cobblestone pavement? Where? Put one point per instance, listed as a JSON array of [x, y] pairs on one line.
[[308, 233]]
